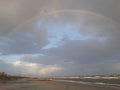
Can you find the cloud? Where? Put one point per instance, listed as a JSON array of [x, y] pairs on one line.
[[36, 69], [45, 59], [19, 13], [77, 37], [29, 69], [49, 69], [24, 41], [95, 37]]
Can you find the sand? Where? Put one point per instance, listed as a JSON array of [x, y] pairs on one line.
[[51, 85]]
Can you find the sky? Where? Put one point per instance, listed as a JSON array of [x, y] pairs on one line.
[[60, 37]]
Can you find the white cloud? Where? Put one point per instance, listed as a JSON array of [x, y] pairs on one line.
[[35, 69], [17, 63], [49, 69]]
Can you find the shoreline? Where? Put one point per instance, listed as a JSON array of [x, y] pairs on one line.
[[110, 87], [51, 85], [90, 83]]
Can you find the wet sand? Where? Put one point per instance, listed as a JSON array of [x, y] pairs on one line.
[[51, 85]]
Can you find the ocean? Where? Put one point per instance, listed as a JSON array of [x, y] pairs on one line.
[[115, 83]]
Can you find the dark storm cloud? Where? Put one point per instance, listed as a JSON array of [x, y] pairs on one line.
[[46, 60], [98, 41], [86, 52], [14, 40], [15, 12], [23, 42], [109, 8], [96, 51]]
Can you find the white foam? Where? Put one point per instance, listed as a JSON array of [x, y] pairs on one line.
[[90, 83]]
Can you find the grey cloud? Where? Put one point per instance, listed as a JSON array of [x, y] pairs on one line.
[[93, 49], [46, 60], [15, 12], [92, 69], [84, 52], [7, 67], [108, 8], [24, 42], [19, 34], [20, 11], [84, 69]]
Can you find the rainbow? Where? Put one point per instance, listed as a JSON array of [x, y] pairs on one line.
[[54, 12]]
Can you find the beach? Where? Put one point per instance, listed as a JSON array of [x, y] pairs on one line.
[[51, 85]]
